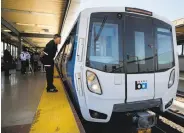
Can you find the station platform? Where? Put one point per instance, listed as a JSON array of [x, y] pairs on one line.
[[47, 112], [55, 114]]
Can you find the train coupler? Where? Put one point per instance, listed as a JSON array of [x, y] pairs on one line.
[[144, 121]]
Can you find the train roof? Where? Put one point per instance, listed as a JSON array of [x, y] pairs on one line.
[[88, 11]]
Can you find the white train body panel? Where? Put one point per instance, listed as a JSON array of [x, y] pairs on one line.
[[119, 92]]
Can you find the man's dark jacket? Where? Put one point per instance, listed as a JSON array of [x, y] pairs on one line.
[[49, 53], [7, 59]]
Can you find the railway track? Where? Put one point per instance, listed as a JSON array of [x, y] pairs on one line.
[[162, 127], [175, 117], [180, 94], [122, 124], [171, 120]]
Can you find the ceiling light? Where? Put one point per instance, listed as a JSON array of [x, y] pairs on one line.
[[51, 33], [42, 31], [7, 30], [179, 32], [25, 24], [41, 25], [29, 12], [31, 31]]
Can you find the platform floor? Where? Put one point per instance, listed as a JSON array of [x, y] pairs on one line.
[[20, 96], [28, 108], [54, 113]]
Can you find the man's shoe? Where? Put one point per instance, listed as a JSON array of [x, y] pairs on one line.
[[52, 90]]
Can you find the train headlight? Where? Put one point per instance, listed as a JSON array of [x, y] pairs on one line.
[[91, 77], [171, 78], [93, 83]]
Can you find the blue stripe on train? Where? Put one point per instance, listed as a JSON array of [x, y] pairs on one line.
[[70, 72]]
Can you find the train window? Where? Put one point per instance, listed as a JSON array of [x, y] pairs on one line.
[[105, 51], [70, 47], [164, 46], [66, 50], [139, 44], [69, 43], [148, 43], [60, 58]]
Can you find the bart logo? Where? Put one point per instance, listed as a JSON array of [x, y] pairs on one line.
[[140, 85]]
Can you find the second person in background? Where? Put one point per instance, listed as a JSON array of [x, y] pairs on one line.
[[24, 57]]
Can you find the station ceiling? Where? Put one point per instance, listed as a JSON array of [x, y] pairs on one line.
[[37, 19], [34, 17]]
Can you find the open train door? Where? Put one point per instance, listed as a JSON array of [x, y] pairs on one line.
[[139, 55]]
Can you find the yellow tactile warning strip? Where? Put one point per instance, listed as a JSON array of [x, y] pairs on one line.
[[56, 74], [54, 113]]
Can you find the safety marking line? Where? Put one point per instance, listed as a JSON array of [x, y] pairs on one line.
[[54, 114]]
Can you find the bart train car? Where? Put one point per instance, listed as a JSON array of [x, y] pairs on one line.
[[119, 59]]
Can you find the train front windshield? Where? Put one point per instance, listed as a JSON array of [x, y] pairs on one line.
[[123, 41]]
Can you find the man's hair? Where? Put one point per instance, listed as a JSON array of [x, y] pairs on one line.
[[56, 36], [24, 49]]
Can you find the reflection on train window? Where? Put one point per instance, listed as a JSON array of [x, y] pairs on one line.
[[164, 49], [139, 44], [70, 47], [105, 46], [163, 30], [105, 49], [140, 47], [66, 50], [61, 55]]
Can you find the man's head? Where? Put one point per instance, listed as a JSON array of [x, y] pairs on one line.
[[57, 39], [24, 49]]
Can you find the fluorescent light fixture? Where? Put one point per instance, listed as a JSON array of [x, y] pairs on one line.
[[179, 32], [41, 25], [7, 30], [51, 33], [25, 24], [42, 31], [31, 31], [29, 12]]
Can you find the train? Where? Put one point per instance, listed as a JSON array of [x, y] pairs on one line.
[[119, 59]]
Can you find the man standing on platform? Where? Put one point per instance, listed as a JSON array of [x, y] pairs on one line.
[[47, 58], [7, 61]]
